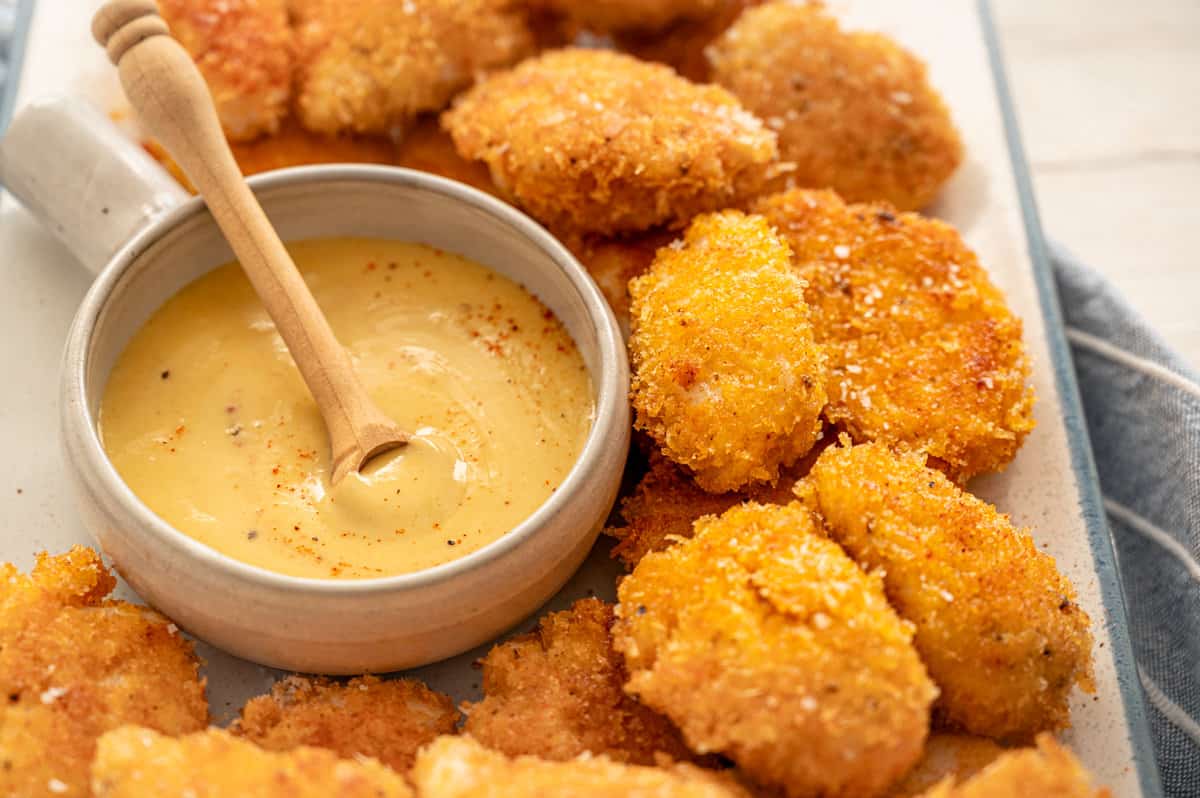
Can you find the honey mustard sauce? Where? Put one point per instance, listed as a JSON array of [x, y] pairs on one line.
[[207, 420]]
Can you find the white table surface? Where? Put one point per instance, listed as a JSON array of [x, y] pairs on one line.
[[1108, 94]]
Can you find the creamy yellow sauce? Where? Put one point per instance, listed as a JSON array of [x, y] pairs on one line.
[[207, 420]]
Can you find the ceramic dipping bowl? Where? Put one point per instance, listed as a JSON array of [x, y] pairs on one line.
[[147, 239]]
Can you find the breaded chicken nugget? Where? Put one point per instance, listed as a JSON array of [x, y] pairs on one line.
[[459, 767], [74, 664], [727, 377], [960, 756], [244, 51], [134, 762], [997, 624], [388, 721], [854, 111], [428, 148], [923, 352], [682, 45], [556, 694], [606, 16], [1048, 771], [763, 641], [666, 502], [370, 66], [613, 262], [591, 141]]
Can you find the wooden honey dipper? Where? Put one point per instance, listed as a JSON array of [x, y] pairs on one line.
[[173, 102]]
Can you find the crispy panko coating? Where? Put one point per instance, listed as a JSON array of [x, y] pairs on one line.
[[244, 51], [682, 45], [134, 762], [370, 66], [923, 351], [666, 502], [763, 641], [459, 767], [428, 148], [606, 16], [613, 262], [74, 664], [386, 720], [960, 756], [557, 693], [997, 624], [727, 377], [854, 111], [591, 141], [1048, 771]]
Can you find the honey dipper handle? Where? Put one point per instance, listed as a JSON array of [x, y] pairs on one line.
[[171, 99]]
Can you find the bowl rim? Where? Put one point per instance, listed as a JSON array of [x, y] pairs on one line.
[[79, 424]]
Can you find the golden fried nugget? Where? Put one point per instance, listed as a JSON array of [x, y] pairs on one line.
[[923, 352], [134, 762], [854, 111], [763, 641], [459, 767], [370, 66], [666, 502], [556, 694], [388, 721], [244, 51], [606, 16], [997, 624], [428, 148], [682, 45], [74, 664], [960, 756], [727, 377], [613, 262], [591, 141], [1048, 771]]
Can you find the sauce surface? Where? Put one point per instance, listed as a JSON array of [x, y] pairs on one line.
[[207, 420]]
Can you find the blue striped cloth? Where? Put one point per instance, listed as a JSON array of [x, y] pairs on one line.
[[1142, 404]]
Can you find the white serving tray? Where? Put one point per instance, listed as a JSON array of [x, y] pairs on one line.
[[1051, 486]]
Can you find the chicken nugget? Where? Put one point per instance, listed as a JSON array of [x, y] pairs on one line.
[[763, 641], [854, 111], [134, 762], [428, 148], [666, 502], [556, 694], [960, 756], [682, 45], [613, 262], [370, 66], [459, 767], [727, 377], [74, 664], [1048, 771], [924, 353], [592, 141], [607, 16], [997, 624], [388, 721], [245, 52]]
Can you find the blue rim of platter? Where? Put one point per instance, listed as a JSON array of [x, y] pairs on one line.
[[1091, 505]]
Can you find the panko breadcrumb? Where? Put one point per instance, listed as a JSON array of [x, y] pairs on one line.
[[74, 664], [681, 46], [959, 756], [387, 720], [727, 377], [556, 694], [854, 111], [607, 16], [924, 354], [667, 501], [134, 762], [245, 52], [592, 141], [459, 767], [764, 642], [370, 66], [1048, 771], [997, 624]]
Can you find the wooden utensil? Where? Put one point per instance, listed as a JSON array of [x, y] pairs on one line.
[[173, 102]]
